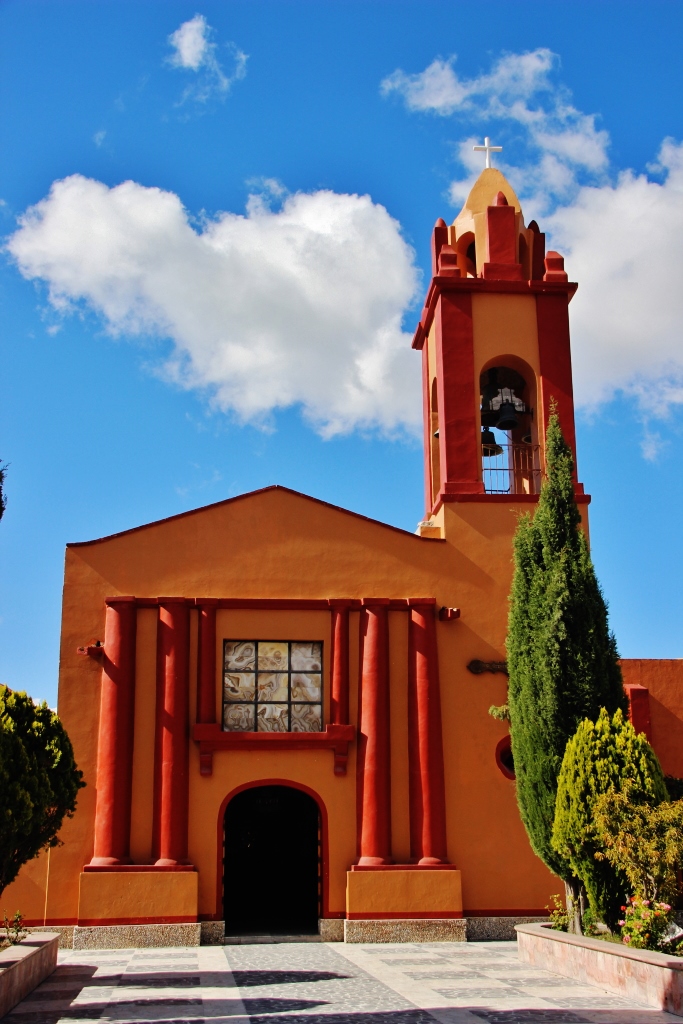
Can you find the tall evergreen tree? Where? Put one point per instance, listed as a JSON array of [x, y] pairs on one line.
[[562, 658]]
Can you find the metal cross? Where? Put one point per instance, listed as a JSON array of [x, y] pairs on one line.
[[488, 149]]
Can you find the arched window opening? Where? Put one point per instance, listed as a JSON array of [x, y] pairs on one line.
[[510, 460], [471, 256], [467, 254]]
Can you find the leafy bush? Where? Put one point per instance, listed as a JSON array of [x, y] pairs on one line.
[[557, 912], [644, 842], [602, 757], [674, 787], [39, 780], [14, 930], [646, 924]]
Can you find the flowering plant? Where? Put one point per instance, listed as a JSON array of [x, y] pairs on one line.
[[559, 918], [648, 924]]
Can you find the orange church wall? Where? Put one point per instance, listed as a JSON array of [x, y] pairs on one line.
[[663, 679], [395, 893], [27, 893], [279, 544], [137, 897]]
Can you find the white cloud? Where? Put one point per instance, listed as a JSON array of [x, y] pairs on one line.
[[268, 310], [622, 236], [624, 245], [99, 137], [194, 51], [191, 43], [520, 97]]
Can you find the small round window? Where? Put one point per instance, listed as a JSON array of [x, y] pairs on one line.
[[504, 758]]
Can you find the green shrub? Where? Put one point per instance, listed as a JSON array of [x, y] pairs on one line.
[[601, 757], [645, 924], [39, 780], [642, 841]]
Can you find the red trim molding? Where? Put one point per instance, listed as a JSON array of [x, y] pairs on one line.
[[409, 915], [500, 499], [98, 922], [404, 867], [336, 738], [394, 604], [477, 284], [138, 867], [507, 912]]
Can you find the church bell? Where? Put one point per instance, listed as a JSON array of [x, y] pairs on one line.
[[489, 446], [507, 419]]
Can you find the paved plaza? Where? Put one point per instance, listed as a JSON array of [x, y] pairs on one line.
[[319, 983]]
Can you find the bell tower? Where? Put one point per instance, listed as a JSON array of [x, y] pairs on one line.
[[494, 337]]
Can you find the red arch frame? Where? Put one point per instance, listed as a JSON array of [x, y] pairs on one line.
[[504, 744], [219, 837]]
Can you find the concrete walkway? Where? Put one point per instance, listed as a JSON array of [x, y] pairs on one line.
[[319, 983]]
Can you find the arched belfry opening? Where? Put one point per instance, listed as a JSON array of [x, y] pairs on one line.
[[467, 254], [510, 458], [273, 862]]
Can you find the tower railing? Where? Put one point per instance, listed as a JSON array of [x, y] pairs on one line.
[[512, 468]]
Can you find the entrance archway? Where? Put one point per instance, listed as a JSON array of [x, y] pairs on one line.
[[272, 871]]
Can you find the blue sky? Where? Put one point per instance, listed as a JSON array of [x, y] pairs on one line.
[[239, 313]]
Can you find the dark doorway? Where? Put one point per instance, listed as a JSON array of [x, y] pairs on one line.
[[272, 877]]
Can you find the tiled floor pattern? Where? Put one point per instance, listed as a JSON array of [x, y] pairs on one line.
[[318, 983]]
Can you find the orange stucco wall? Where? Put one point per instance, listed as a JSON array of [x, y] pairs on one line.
[[663, 678], [274, 544]]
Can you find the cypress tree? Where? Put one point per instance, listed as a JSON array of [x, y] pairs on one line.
[[562, 658], [602, 757]]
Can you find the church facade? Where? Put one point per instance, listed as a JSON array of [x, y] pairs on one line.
[[281, 707]]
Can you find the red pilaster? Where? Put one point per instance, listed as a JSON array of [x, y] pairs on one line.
[[339, 699], [459, 446], [115, 738], [427, 428], [425, 745], [555, 363], [639, 709], [172, 732], [206, 657], [439, 239], [374, 767]]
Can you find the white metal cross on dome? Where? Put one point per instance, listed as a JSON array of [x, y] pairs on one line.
[[488, 149]]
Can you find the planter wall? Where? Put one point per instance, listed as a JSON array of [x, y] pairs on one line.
[[652, 978], [24, 966]]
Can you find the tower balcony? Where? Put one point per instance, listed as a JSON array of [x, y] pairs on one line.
[[511, 468]]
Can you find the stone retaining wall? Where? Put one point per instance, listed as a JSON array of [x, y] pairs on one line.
[[24, 966], [644, 976]]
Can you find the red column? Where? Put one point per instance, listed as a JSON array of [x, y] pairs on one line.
[[172, 728], [206, 657], [115, 738], [374, 766], [425, 745], [339, 698]]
